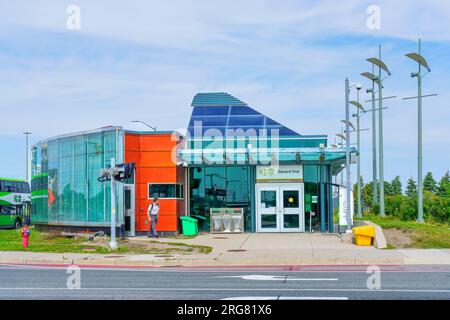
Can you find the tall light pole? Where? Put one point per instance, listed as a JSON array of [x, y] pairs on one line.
[[359, 108], [371, 77], [421, 62], [26, 133], [381, 66], [145, 124], [348, 124]]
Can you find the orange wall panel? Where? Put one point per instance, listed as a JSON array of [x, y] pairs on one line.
[[152, 154]]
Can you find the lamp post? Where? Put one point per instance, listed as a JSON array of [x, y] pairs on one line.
[[421, 62], [135, 121], [358, 141], [381, 66], [26, 133]]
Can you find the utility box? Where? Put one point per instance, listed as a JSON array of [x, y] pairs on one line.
[[364, 235]]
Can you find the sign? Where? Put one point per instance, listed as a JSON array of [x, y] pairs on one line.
[[286, 173], [314, 199], [343, 206]]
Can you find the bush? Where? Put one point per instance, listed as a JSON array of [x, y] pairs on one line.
[[439, 210], [393, 205], [408, 209]]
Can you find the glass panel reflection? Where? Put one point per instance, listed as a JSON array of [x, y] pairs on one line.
[[290, 199], [268, 221], [291, 221], [268, 199]]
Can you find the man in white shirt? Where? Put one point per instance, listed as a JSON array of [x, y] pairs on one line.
[[152, 212]]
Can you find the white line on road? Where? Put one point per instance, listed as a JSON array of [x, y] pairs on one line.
[[230, 289], [286, 298], [276, 278]]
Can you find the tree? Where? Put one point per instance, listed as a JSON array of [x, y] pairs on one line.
[[388, 189], [444, 185], [429, 183], [396, 186], [411, 188]]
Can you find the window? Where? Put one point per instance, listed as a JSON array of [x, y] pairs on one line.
[[166, 190]]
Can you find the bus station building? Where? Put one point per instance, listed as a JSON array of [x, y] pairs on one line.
[[231, 156]]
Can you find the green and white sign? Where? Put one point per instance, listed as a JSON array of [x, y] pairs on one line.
[[286, 173]]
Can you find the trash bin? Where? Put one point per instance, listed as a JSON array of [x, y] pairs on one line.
[[364, 235], [189, 226], [227, 223]]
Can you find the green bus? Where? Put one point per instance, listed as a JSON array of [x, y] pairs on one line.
[[15, 203]]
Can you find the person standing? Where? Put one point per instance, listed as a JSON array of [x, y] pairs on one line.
[[152, 212]]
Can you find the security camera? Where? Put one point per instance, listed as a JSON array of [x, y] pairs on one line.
[[369, 90], [414, 74]]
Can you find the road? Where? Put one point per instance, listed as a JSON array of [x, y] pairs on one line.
[[298, 282]]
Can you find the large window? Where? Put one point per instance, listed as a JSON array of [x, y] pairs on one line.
[[165, 190], [220, 187]]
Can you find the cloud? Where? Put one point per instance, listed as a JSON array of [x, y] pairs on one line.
[[147, 59]]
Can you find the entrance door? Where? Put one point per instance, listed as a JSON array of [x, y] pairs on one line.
[[130, 216], [280, 208]]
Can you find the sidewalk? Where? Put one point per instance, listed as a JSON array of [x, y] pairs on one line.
[[252, 249]]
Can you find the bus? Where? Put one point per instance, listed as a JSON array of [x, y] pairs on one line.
[[15, 203]]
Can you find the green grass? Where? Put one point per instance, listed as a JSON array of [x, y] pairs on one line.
[[10, 240], [424, 235]]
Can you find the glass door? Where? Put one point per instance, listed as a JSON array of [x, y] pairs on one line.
[[129, 201], [291, 203], [268, 209], [280, 208]]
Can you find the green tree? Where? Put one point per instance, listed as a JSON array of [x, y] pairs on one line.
[[411, 188], [396, 186], [429, 183], [388, 189], [444, 185]]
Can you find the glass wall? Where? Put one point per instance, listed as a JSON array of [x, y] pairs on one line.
[[64, 184], [220, 187], [311, 177]]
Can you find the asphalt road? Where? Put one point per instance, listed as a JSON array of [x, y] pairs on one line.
[[315, 282]]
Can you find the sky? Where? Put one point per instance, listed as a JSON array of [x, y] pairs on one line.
[[145, 60]]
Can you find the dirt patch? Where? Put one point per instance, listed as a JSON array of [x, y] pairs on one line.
[[148, 247], [399, 238]]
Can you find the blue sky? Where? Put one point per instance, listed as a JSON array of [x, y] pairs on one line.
[[288, 59]]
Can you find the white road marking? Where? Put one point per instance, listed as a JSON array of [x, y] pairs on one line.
[[230, 289], [276, 278], [286, 298]]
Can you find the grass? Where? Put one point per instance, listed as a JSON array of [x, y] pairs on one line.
[[424, 235], [10, 240]]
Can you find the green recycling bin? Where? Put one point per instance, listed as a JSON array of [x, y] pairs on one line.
[[189, 226]]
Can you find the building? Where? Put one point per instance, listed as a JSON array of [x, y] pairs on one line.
[[66, 192], [231, 157]]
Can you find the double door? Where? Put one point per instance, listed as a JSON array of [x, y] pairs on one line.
[[279, 208]]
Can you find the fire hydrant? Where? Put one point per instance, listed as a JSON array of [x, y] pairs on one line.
[[25, 236]]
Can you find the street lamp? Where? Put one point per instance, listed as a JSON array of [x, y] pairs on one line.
[[381, 66], [153, 128], [421, 62], [374, 80], [347, 122], [26, 133], [359, 108]]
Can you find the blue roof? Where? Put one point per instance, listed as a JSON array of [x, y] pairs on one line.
[[216, 99], [222, 113]]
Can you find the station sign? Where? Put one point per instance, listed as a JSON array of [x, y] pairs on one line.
[[282, 173]]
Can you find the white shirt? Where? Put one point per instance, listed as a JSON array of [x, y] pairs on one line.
[[154, 210]]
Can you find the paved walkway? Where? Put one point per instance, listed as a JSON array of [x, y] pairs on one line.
[[249, 250]]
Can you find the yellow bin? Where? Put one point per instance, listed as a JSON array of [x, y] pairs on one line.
[[364, 235]]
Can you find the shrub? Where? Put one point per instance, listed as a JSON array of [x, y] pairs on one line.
[[393, 205]]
